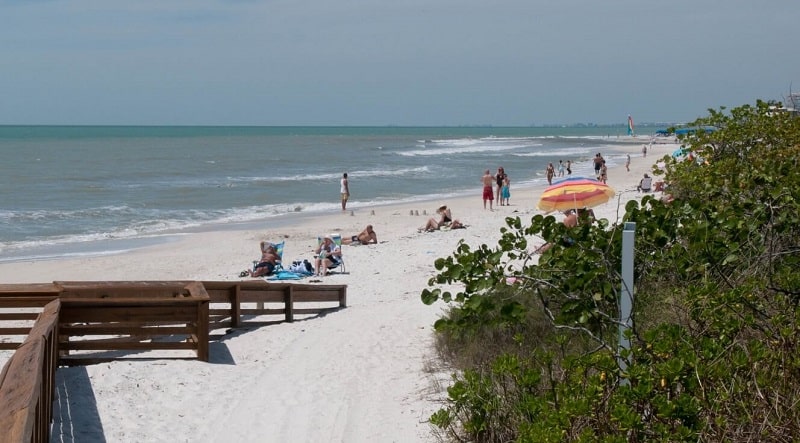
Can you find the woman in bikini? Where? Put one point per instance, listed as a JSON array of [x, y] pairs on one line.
[[446, 220]]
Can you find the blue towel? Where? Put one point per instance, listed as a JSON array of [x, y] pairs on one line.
[[284, 275]]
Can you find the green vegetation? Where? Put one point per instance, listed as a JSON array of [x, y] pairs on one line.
[[715, 348]]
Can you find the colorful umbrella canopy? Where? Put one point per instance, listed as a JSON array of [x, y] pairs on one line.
[[574, 193]]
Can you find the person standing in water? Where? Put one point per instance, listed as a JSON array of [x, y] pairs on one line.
[[345, 191]]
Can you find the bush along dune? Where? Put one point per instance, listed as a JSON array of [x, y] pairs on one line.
[[533, 340]]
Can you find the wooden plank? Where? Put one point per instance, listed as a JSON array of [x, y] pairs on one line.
[[70, 314], [104, 329], [311, 297], [257, 312], [15, 331], [29, 288], [22, 301], [261, 296], [9, 345], [92, 345], [14, 316]]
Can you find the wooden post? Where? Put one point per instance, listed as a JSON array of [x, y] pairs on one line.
[[236, 308], [343, 297], [289, 303]]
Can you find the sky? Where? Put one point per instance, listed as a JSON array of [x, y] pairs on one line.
[[398, 62]]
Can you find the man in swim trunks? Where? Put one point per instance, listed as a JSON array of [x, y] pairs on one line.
[[487, 189], [365, 237]]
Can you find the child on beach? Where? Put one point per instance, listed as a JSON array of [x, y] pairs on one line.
[[505, 191], [560, 168]]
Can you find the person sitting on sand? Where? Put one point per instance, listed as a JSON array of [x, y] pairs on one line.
[[365, 237], [446, 220], [645, 183], [328, 255], [269, 260]]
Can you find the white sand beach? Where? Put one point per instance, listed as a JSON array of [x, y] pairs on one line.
[[365, 373]]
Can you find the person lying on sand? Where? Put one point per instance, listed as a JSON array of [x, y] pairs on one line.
[[365, 237], [446, 220]]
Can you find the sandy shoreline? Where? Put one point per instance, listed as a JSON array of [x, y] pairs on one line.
[[357, 375]]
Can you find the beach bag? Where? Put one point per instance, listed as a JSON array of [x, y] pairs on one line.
[[301, 267]]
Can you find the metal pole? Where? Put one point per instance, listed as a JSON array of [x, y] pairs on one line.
[[626, 294]]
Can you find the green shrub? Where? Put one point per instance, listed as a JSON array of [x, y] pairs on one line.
[[714, 347]]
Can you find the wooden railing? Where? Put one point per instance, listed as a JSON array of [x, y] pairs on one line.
[[110, 320], [233, 303], [76, 320], [20, 305], [27, 382]]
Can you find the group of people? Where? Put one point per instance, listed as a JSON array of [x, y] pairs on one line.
[[550, 172], [600, 168], [328, 254], [502, 190]]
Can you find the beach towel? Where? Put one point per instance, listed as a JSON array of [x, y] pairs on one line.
[[284, 275]]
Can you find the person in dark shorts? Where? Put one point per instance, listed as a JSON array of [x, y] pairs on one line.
[[365, 237]]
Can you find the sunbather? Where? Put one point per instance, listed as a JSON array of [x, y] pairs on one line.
[[328, 256], [365, 237], [446, 220], [269, 260]]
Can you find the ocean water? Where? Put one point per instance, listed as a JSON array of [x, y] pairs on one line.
[[87, 190]]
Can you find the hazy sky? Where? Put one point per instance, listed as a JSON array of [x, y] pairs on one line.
[[400, 62]]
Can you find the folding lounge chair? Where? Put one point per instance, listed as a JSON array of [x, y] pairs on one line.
[[278, 250], [337, 239]]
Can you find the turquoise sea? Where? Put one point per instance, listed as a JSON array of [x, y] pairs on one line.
[[72, 190]]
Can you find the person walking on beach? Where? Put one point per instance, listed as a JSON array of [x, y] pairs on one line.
[[487, 189], [644, 150], [345, 191], [603, 172], [550, 172], [628, 163], [560, 168], [569, 167], [501, 174], [598, 162]]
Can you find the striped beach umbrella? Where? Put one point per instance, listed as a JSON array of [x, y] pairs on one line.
[[574, 193]]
